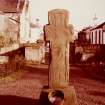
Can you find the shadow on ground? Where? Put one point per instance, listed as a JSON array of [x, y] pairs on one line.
[[16, 100], [97, 93]]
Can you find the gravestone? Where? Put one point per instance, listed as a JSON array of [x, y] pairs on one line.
[[59, 33]]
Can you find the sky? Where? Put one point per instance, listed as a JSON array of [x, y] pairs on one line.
[[81, 12]]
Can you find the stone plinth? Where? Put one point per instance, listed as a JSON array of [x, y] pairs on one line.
[[69, 96]]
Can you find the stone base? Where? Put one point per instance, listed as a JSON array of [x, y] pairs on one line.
[[69, 96]]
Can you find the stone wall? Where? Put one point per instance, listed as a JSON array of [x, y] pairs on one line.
[[34, 53]]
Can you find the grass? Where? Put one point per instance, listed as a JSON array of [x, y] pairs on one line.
[[12, 77]]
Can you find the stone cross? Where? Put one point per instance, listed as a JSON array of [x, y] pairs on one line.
[[59, 33]]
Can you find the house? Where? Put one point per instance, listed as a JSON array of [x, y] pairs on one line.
[[94, 35], [97, 34], [94, 41], [83, 35], [13, 15]]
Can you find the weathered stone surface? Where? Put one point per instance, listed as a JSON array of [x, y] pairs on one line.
[[69, 96], [59, 33]]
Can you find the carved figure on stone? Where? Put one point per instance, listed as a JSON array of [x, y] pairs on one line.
[[59, 33]]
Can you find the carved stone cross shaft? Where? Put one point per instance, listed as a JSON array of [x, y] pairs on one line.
[[59, 33]]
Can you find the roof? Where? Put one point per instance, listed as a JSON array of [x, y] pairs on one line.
[[87, 28], [98, 26], [11, 5], [18, 50]]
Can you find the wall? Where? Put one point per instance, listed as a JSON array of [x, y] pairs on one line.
[[34, 54]]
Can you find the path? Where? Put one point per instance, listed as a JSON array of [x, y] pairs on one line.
[[89, 91], [26, 90]]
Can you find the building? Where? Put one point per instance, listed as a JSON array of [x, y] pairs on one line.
[[14, 19], [13, 15], [93, 35], [92, 40], [83, 35], [96, 34]]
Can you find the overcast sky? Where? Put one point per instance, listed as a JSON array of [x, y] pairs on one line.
[[81, 11]]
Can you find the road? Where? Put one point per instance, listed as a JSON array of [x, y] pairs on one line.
[[26, 90]]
